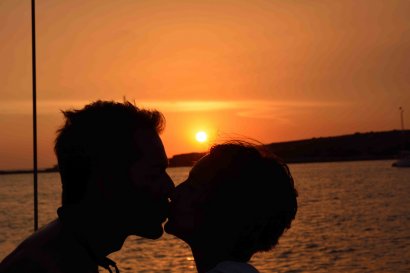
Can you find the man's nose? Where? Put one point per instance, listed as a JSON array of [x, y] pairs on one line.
[[170, 186], [175, 193]]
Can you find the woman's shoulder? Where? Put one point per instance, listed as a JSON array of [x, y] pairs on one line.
[[233, 267]]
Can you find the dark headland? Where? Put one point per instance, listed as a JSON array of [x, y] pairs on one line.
[[358, 146]]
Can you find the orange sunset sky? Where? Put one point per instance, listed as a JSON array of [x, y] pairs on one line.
[[269, 70]]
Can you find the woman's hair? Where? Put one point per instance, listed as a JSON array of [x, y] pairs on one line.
[[254, 190]]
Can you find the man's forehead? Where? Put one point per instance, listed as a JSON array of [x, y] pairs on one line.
[[149, 144]]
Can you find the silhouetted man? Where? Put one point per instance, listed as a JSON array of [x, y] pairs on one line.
[[112, 165]]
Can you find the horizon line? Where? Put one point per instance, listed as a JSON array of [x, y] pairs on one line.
[[44, 169]]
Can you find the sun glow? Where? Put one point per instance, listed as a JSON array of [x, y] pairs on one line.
[[201, 136]]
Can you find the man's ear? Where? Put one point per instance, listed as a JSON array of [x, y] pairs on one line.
[[99, 185], [103, 187]]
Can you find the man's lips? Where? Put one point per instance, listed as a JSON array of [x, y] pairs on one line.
[[164, 210]]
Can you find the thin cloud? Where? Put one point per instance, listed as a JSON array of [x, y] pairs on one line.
[[250, 109], [243, 106], [188, 106], [280, 111], [25, 107]]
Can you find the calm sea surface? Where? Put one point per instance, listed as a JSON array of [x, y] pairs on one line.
[[353, 217]]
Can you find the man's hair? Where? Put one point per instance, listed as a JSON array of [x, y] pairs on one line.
[[259, 192], [101, 131]]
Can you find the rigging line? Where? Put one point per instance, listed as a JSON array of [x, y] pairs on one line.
[[33, 46]]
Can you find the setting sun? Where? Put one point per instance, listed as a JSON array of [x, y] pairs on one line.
[[201, 136]]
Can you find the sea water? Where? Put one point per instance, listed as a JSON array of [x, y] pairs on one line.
[[352, 217]]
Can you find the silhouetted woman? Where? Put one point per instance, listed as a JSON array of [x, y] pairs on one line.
[[236, 201]]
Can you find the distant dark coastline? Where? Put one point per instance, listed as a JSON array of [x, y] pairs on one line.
[[48, 170], [354, 147]]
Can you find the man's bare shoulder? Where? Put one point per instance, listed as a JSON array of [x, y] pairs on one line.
[[20, 264], [38, 253]]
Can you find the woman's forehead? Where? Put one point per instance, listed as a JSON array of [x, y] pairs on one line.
[[207, 168]]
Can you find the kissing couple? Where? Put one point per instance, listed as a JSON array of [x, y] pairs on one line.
[[237, 200]]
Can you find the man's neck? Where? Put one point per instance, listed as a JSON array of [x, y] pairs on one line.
[[92, 229]]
